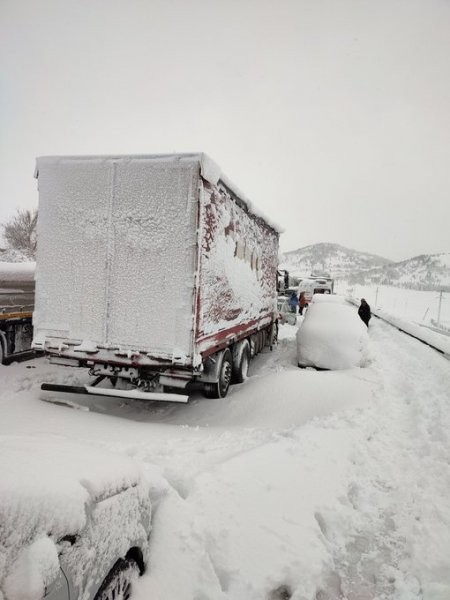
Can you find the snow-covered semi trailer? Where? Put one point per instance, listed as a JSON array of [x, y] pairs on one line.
[[151, 270]]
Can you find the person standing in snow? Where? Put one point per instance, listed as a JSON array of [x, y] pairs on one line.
[[302, 302], [293, 302], [364, 312]]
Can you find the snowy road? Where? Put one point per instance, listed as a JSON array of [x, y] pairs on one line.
[[300, 484]]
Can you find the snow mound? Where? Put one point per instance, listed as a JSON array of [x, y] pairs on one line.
[[36, 567], [280, 400], [292, 398]]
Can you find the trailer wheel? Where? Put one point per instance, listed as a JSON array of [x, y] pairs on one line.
[[253, 345], [273, 335], [241, 362], [220, 388], [263, 335], [1, 352], [259, 342]]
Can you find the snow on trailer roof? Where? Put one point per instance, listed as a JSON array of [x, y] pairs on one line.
[[208, 168]]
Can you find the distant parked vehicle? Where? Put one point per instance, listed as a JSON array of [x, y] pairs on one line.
[[75, 521], [332, 336], [315, 284], [283, 281], [16, 310]]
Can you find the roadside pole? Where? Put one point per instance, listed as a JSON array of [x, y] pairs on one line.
[[439, 309]]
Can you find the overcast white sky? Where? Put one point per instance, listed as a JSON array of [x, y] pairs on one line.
[[333, 116]]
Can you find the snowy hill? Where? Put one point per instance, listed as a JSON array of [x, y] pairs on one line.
[[426, 272], [337, 260]]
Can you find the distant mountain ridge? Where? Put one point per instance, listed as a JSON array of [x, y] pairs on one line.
[[334, 258], [426, 272]]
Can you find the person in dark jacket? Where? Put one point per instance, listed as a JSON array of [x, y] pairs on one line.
[[364, 312]]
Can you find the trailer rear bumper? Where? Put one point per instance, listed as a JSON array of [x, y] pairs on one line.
[[137, 395], [128, 394]]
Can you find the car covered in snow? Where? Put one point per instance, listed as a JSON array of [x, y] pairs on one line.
[[74, 521], [332, 336]]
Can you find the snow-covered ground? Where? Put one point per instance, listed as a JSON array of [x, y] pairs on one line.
[[412, 305], [300, 484]]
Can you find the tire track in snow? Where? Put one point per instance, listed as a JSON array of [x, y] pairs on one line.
[[390, 538]]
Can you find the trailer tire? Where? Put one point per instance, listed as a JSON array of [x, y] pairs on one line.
[[241, 362], [273, 335], [257, 343], [2, 354], [263, 335], [220, 388], [253, 345]]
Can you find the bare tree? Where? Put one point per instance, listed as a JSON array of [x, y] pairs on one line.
[[20, 232]]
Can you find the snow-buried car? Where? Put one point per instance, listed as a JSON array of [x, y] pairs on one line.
[[154, 270], [74, 520], [332, 336]]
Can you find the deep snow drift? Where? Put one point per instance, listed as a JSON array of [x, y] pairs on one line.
[[302, 484]]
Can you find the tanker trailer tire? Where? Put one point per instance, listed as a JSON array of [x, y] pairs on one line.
[[241, 360], [220, 388], [263, 335]]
